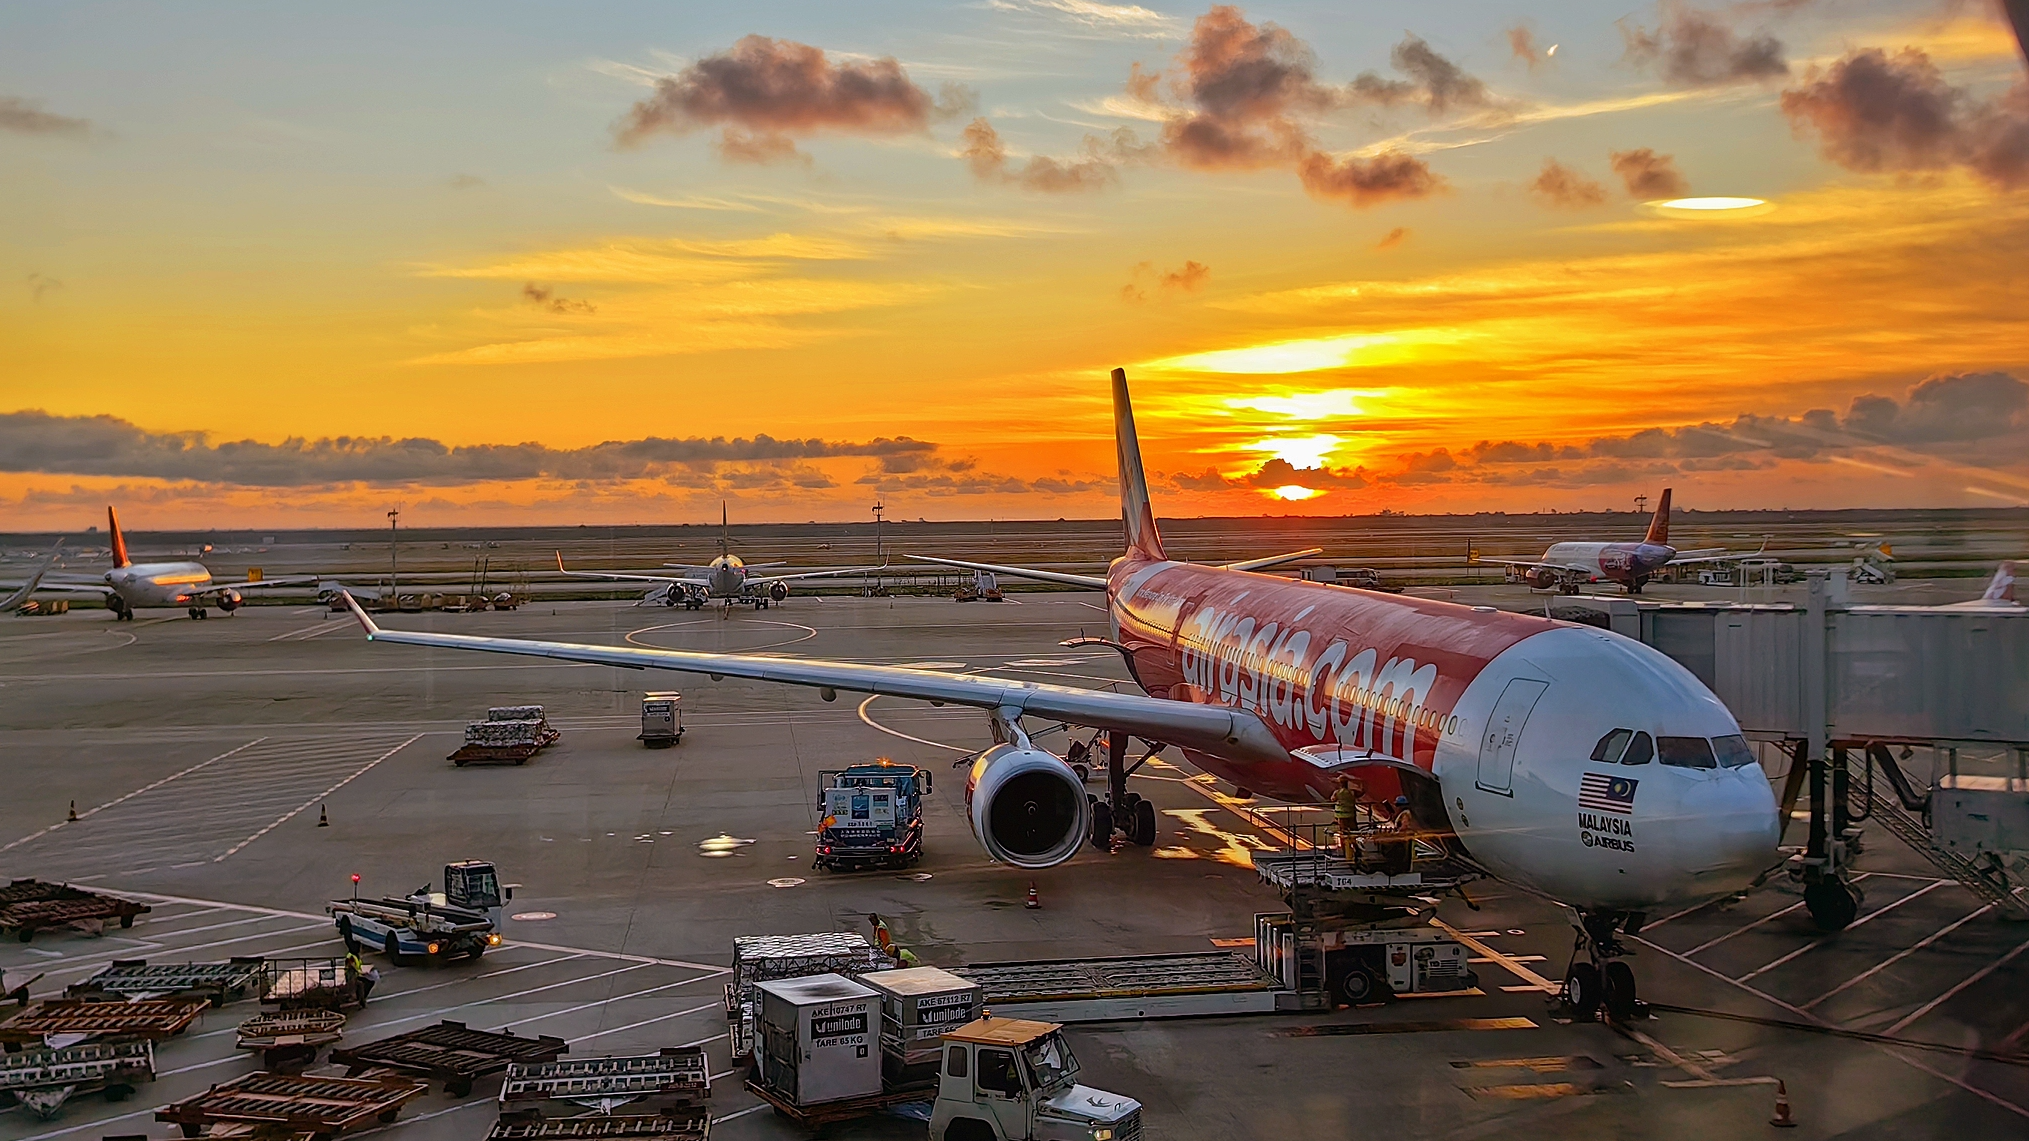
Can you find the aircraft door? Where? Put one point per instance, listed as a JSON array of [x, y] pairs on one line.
[[1504, 729]]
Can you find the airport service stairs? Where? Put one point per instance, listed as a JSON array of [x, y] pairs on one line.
[[1992, 887]]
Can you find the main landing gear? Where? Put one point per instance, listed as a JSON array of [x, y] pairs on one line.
[[1126, 811], [1600, 980], [199, 612]]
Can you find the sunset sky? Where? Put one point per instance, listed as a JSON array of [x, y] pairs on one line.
[[283, 266]]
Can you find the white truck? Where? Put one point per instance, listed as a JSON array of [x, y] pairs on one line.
[[434, 926], [1009, 1079]]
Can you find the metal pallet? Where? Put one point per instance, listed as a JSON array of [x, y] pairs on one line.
[[684, 1125], [153, 1018], [1135, 986], [450, 1052], [289, 1040], [28, 906], [293, 1103], [43, 1080], [678, 1076], [135, 978]]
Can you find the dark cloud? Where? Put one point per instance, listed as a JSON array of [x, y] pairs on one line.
[[1393, 238], [1246, 90], [983, 151], [35, 441], [1274, 473], [1695, 48], [1648, 175], [1187, 277], [764, 93], [1875, 112], [547, 298], [26, 117], [1366, 182], [1559, 185], [1522, 45]]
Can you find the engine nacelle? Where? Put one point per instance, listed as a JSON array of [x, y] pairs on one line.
[[675, 595], [1542, 578], [230, 600], [778, 590], [1026, 806]]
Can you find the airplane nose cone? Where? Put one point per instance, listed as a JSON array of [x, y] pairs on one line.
[[1732, 829]]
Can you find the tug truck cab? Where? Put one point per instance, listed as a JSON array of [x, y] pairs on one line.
[[462, 921], [475, 886], [871, 816], [1009, 1079]]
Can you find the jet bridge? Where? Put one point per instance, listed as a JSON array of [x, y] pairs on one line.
[[1851, 693]]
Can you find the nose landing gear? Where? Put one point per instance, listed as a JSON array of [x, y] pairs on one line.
[[1600, 980]]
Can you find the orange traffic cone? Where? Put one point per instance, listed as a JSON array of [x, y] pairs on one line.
[[1033, 902], [1782, 1119], [72, 818]]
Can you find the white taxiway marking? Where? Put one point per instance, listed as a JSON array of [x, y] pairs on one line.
[[1940, 1000], [292, 813], [898, 733], [1900, 955], [137, 792], [715, 1005], [1822, 940]]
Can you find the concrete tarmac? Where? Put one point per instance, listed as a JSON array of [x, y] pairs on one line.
[[198, 755]]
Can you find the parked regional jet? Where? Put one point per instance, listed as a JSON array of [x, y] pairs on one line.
[[727, 579], [1998, 597], [1577, 763], [132, 586], [1568, 566]]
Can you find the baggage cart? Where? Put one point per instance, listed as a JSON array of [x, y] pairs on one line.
[[289, 1040], [312, 984], [678, 1125], [28, 906], [661, 719], [43, 1080], [127, 979], [66, 1021], [293, 1103], [677, 1077], [761, 958], [450, 1052]]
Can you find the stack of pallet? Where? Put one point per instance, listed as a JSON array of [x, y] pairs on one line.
[[511, 734]]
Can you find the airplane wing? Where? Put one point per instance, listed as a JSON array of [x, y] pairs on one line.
[[28, 588], [763, 580], [265, 583], [1081, 581], [1229, 732], [614, 576], [1716, 555], [64, 587], [1271, 560], [1528, 564]]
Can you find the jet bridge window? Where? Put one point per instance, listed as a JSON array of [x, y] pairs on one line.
[[1686, 752], [1734, 752], [1611, 746]]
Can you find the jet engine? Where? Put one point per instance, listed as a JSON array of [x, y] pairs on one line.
[[674, 595], [1542, 578], [230, 600], [1026, 806], [778, 590]]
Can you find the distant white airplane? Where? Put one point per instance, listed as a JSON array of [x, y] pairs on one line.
[[727, 579], [20, 597], [1999, 595], [132, 586], [1567, 566]]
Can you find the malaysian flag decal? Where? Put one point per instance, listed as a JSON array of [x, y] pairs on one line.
[[1602, 793]]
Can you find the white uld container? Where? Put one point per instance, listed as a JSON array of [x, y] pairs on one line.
[[818, 1039], [919, 1004]]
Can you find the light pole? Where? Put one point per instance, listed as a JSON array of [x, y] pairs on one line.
[[393, 563], [879, 559]]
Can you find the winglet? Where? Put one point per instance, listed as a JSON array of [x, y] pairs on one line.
[[365, 623]]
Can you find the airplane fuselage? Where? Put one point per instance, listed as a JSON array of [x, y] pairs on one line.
[[147, 585], [1629, 564], [1494, 714]]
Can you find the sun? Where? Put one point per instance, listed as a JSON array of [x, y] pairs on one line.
[[1295, 491]]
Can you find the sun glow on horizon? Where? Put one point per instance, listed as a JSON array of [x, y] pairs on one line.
[[1295, 492], [1306, 452]]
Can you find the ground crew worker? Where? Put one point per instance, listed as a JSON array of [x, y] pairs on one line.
[[1399, 855], [366, 975], [882, 936], [907, 958], [1346, 811]]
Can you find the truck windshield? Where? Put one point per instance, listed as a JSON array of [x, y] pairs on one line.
[[1051, 1062], [482, 889]]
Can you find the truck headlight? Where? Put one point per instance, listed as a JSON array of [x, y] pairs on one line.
[[493, 940], [1102, 1133]]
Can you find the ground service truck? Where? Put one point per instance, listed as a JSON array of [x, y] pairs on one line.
[[872, 816], [463, 920]]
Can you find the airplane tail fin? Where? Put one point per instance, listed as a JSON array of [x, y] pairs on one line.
[[1135, 512], [2002, 588], [1659, 527], [119, 541]]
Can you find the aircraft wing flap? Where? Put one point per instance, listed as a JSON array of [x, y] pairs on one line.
[[1229, 732]]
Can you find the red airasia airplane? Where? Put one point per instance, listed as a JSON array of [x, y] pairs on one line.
[[1577, 763]]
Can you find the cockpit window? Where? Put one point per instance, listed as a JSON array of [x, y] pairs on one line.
[[1734, 752], [1611, 746], [1640, 751], [1686, 752]]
